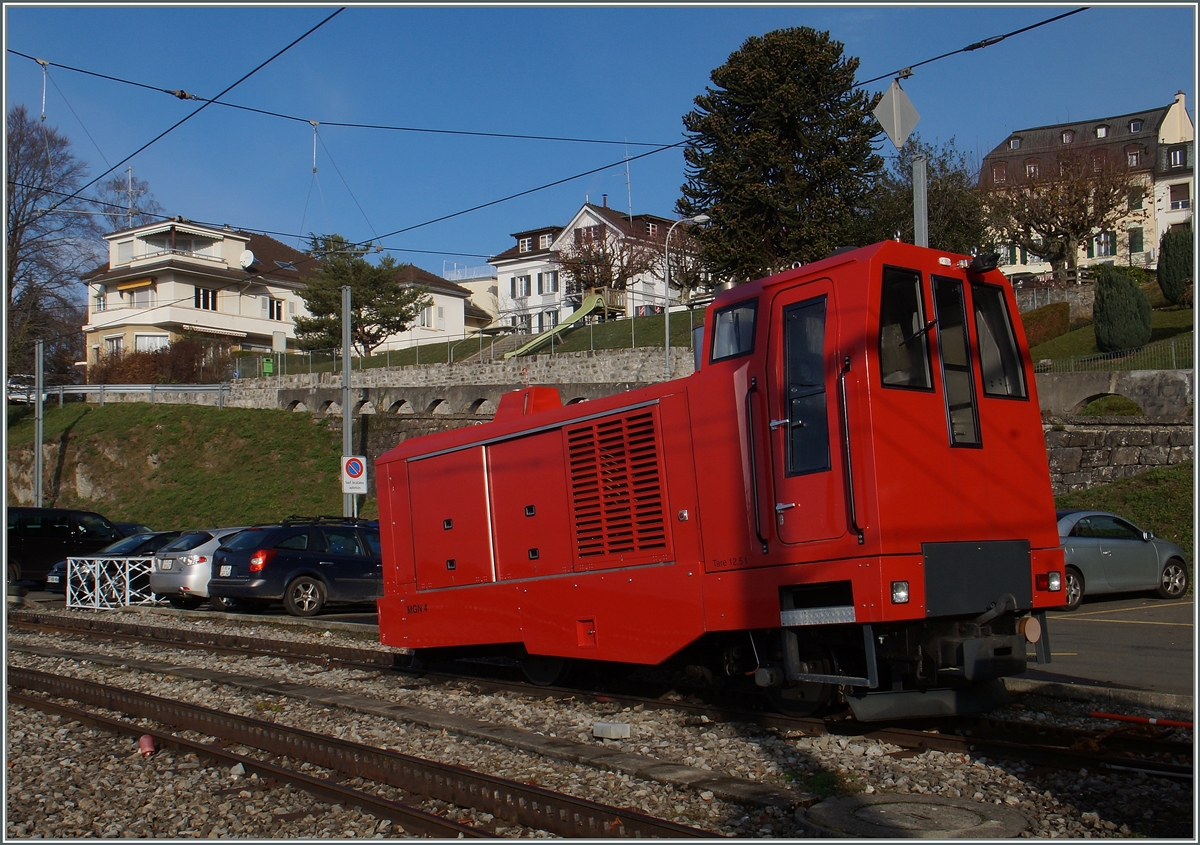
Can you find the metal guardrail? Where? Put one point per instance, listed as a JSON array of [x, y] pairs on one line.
[[1176, 353], [106, 583], [62, 391]]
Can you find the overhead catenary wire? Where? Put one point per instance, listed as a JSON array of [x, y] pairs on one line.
[[207, 103], [978, 45]]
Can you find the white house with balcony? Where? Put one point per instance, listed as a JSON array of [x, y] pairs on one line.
[[175, 278], [532, 294]]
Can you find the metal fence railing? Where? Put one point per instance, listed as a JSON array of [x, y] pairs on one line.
[[104, 583], [1175, 353], [97, 392]]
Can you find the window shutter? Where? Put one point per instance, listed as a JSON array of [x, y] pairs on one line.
[[513, 286], [264, 301], [441, 314], [541, 284], [1091, 250]]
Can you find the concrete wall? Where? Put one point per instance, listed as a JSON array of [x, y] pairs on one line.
[[1081, 297], [1159, 393], [1086, 451]]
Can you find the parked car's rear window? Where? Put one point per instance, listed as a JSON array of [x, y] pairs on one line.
[[188, 541], [251, 538], [129, 544]]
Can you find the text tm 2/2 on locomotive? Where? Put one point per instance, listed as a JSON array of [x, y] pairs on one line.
[[849, 499]]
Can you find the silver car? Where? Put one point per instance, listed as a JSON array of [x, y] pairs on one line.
[[182, 568], [1106, 553]]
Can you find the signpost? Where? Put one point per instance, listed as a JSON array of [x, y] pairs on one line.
[[354, 475], [898, 117]]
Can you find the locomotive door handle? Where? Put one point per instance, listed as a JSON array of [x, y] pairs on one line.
[[780, 507], [846, 447], [777, 423], [750, 391]]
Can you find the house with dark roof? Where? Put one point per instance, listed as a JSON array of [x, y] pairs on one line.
[[172, 278], [176, 278], [1156, 144], [532, 297]]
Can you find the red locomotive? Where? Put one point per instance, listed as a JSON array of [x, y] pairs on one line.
[[849, 498]]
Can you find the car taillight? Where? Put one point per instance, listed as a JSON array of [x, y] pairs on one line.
[[260, 559], [1051, 582]]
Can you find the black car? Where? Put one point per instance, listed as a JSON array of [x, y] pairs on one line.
[[40, 537], [304, 562], [135, 545]]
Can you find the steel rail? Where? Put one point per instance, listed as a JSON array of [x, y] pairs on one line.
[[410, 818], [1051, 746], [531, 806]]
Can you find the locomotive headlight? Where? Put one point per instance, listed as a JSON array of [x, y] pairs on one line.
[[1051, 582], [899, 592]]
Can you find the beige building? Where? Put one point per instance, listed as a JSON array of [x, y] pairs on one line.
[[1158, 146]]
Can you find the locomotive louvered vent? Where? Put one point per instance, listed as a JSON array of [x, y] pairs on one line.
[[615, 486]]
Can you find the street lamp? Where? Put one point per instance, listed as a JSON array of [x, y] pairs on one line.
[[699, 218]]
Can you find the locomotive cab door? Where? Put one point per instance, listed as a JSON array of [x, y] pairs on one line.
[[803, 427]]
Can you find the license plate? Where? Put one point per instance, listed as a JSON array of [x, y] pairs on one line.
[[226, 571], [51, 579], [166, 564]]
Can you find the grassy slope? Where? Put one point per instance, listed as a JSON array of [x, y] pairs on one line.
[[1165, 323], [209, 466], [1161, 500]]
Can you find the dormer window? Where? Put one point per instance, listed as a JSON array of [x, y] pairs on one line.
[[1135, 126], [651, 229], [1177, 157], [1068, 136], [1014, 143], [1101, 131], [544, 241], [525, 245]]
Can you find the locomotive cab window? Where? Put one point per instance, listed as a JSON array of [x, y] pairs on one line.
[[733, 331], [808, 421], [903, 343], [961, 412], [998, 355]]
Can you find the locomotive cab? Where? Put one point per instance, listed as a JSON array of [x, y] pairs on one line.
[[848, 500]]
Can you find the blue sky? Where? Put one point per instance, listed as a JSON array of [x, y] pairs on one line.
[[617, 73]]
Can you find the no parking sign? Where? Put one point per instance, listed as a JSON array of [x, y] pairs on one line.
[[354, 474]]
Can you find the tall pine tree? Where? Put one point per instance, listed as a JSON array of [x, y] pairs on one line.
[[779, 154], [1121, 313], [1175, 254]]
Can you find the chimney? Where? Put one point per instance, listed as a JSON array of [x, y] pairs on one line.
[[605, 200]]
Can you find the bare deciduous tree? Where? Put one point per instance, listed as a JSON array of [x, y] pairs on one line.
[[126, 203], [606, 261], [1053, 214], [46, 250]]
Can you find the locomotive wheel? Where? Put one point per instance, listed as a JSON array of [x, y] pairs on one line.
[[806, 698], [543, 671]]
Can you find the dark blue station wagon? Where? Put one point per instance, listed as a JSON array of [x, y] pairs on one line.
[[304, 563]]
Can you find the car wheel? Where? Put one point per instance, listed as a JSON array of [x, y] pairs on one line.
[[304, 597], [1173, 583], [224, 603], [184, 602], [1074, 588]]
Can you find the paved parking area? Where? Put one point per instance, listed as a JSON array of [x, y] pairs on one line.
[[1125, 642]]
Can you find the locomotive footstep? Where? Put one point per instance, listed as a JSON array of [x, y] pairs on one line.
[[895, 816]]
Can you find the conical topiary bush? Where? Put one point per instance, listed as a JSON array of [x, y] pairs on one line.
[[1121, 313]]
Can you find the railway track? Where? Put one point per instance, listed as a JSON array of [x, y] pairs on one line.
[[515, 803], [1152, 751]]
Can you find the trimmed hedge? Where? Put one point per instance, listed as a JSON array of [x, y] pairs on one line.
[[1122, 312], [1046, 323]]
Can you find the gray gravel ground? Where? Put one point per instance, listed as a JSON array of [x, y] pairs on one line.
[[66, 781]]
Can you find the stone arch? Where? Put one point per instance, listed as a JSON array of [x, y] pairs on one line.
[[296, 405], [401, 406], [364, 407], [440, 406], [328, 408], [577, 400], [1081, 406], [482, 406]]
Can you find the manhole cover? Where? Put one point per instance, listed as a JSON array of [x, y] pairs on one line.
[[912, 817]]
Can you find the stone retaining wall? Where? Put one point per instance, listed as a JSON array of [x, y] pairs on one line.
[[1086, 451], [1081, 298]]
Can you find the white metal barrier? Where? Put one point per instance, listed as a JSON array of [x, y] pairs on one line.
[[109, 582]]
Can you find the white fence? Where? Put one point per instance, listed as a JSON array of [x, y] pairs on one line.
[[105, 583]]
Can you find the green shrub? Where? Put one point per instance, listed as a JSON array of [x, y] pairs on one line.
[[1112, 405], [1175, 263], [1046, 323], [1121, 312]]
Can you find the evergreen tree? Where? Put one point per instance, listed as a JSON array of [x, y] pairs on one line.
[[779, 154], [1175, 254], [955, 203], [1121, 312], [381, 305]]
